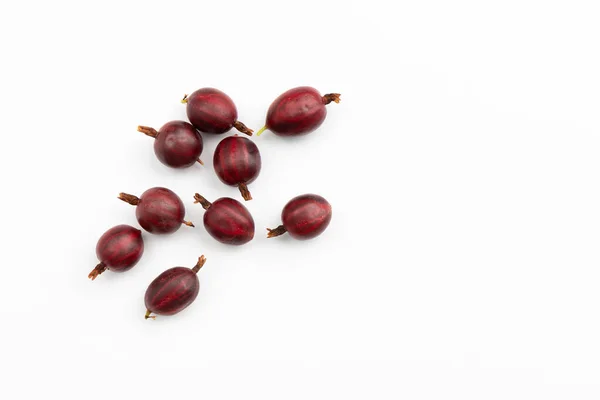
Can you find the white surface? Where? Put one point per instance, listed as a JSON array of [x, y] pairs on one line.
[[462, 165]]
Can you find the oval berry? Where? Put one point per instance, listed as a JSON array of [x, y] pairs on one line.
[[178, 144], [237, 162], [173, 290], [304, 217], [119, 249], [227, 220], [298, 111], [159, 210], [212, 111]]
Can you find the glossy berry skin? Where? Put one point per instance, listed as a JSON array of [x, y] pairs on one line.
[[298, 111], [178, 144], [237, 163], [172, 291], [159, 210], [227, 220], [304, 217], [119, 249], [212, 111]]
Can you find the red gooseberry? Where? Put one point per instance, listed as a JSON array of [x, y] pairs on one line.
[[177, 143], [212, 111], [173, 290], [298, 111], [237, 163], [304, 217], [227, 220], [118, 250], [159, 210]]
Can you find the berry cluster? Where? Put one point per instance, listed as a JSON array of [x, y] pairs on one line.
[[237, 162]]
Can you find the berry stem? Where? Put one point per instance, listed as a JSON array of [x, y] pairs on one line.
[[243, 128], [184, 100], [148, 312], [188, 223], [280, 230], [328, 98], [200, 161], [261, 130], [100, 268], [129, 198], [244, 191], [153, 133], [205, 203], [199, 264]]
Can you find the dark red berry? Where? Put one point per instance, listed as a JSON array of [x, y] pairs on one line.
[[118, 250], [304, 217], [298, 111], [212, 111], [158, 211], [173, 290], [227, 220], [178, 144], [237, 163]]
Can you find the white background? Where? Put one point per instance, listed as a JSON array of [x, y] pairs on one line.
[[462, 164]]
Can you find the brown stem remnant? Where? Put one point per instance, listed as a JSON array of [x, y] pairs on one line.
[[184, 100], [200, 161], [129, 198], [148, 312], [205, 203], [100, 268], [188, 223], [245, 192], [146, 130], [199, 264], [280, 230], [328, 98], [243, 128]]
